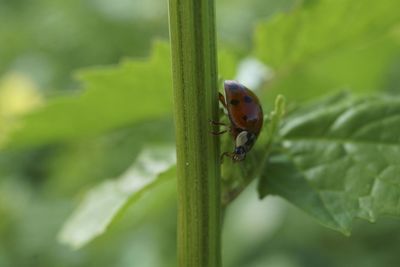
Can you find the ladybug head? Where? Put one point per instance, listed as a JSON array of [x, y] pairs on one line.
[[239, 154]]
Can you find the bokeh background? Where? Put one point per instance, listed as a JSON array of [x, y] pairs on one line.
[[43, 43]]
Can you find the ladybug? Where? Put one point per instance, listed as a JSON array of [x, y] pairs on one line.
[[245, 115]]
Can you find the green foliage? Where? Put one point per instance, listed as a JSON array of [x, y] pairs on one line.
[[339, 161], [70, 165], [48, 40], [103, 203], [328, 45], [113, 98], [331, 24]]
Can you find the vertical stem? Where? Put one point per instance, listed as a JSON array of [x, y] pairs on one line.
[[192, 30]]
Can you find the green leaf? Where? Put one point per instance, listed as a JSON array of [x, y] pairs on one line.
[[339, 161], [71, 167], [328, 45], [113, 97], [282, 178], [308, 32], [105, 202]]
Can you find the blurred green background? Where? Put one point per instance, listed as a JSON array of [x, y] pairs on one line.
[[43, 42]]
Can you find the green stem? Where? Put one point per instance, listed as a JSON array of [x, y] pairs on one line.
[[192, 30]]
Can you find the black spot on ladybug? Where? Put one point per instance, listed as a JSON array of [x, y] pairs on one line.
[[235, 102], [247, 99], [244, 118]]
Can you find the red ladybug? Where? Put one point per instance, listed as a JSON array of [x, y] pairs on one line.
[[246, 117]]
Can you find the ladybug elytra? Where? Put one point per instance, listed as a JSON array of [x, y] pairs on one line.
[[245, 115]]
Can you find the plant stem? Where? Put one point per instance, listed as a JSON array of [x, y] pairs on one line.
[[192, 31]]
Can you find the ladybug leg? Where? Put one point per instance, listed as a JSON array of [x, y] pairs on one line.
[[222, 100], [227, 154], [219, 133], [218, 123]]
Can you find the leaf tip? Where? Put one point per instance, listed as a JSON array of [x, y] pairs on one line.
[[280, 104]]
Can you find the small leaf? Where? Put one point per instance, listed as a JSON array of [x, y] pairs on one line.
[[103, 203], [340, 161]]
